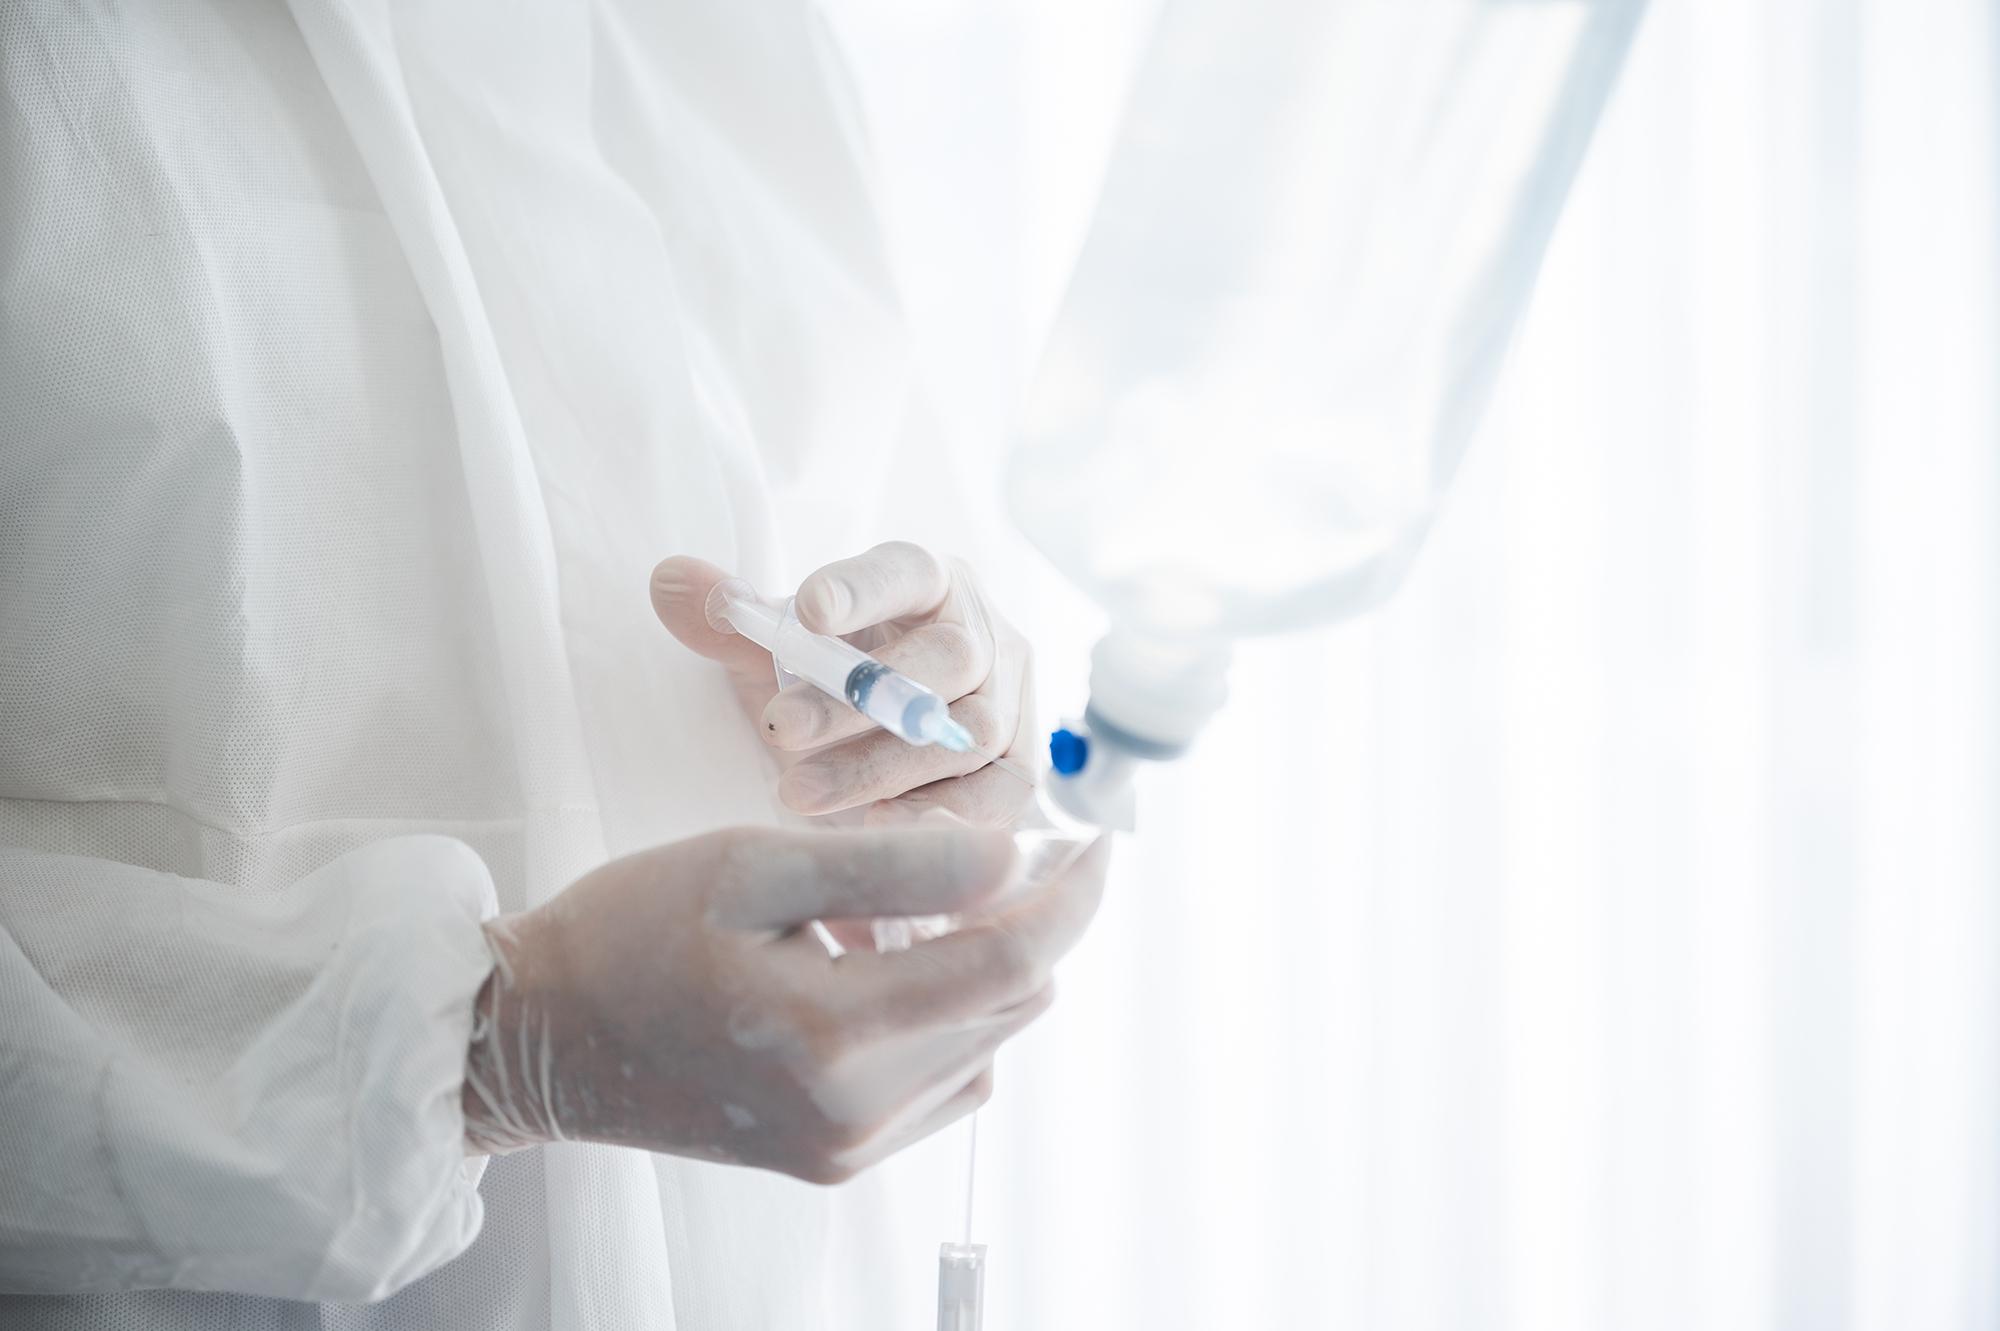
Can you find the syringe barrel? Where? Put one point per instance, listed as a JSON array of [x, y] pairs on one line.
[[820, 660], [890, 699]]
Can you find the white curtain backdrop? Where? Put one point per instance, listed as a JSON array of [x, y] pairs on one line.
[[1606, 933]]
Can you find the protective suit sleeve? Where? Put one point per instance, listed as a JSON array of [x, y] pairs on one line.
[[203, 1087]]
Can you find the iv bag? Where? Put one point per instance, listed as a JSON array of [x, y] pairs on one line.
[[1319, 224]]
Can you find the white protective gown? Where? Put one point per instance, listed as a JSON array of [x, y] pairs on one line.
[[357, 362]]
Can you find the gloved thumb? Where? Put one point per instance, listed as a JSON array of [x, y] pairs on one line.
[[781, 879]]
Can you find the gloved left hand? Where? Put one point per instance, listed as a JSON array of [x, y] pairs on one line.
[[919, 614], [672, 1000]]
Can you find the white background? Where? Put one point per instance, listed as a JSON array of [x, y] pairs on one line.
[[1604, 934]]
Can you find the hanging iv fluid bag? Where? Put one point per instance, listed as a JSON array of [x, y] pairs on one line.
[[1319, 224]]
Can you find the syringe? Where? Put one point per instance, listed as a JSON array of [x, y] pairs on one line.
[[892, 700]]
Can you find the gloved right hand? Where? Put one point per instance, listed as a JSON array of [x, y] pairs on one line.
[[674, 1001]]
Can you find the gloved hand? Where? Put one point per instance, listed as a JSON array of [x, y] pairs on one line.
[[918, 614], [670, 1000]]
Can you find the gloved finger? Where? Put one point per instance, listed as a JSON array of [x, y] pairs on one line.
[[878, 766], [780, 880], [950, 659], [893, 1072], [961, 1100], [1054, 914], [680, 588], [996, 960], [892, 581], [989, 797]]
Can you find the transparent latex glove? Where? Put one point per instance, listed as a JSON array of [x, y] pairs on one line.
[[918, 614], [671, 1000]]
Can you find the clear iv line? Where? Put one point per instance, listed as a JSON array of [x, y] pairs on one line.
[[1011, 768], [916, 715], [971, 1171]]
